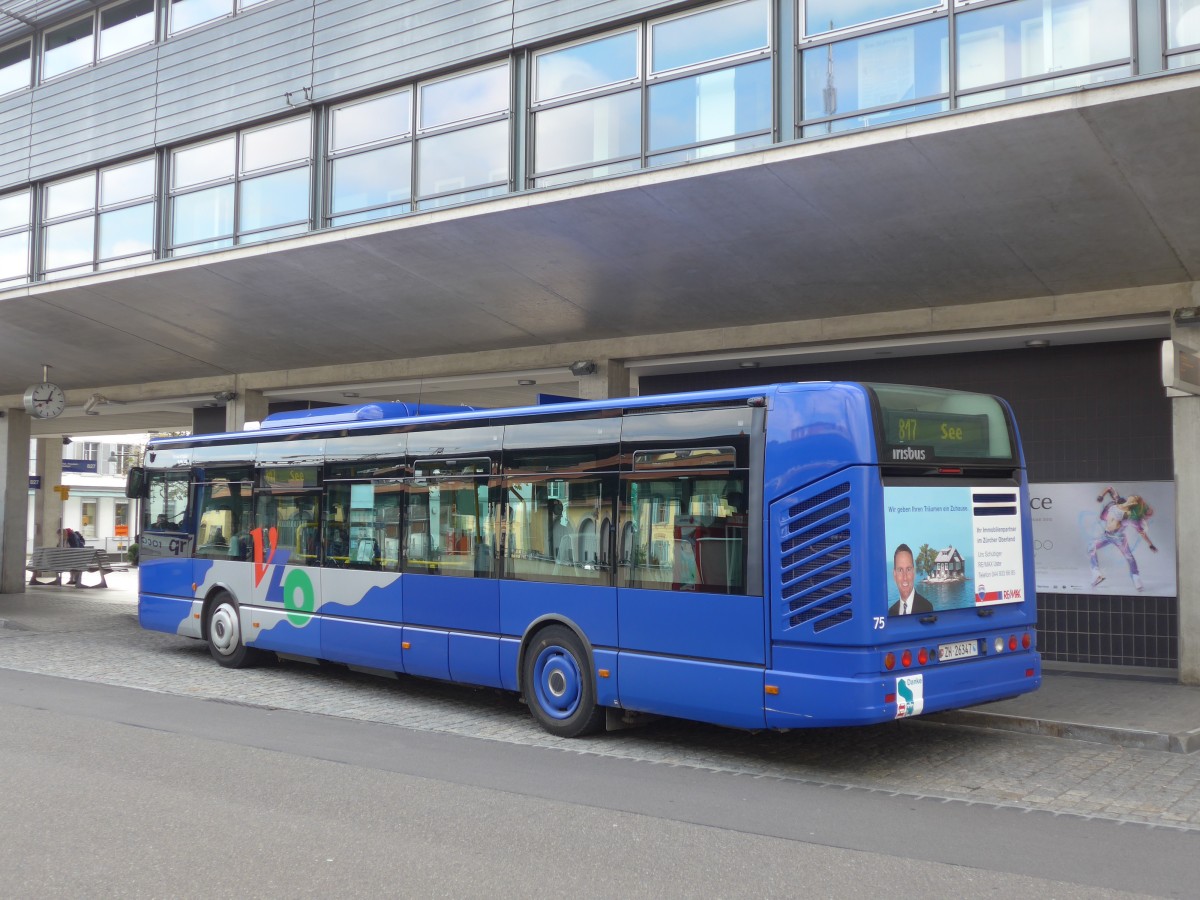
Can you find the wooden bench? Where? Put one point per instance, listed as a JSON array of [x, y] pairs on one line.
[[56, 560]]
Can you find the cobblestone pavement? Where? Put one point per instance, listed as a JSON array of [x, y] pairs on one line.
[[98, 640]]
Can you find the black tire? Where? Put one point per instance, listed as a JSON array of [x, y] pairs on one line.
[[224, 632], [558, 684]]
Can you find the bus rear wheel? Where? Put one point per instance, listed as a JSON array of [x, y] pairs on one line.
[[558, 684], [224, 631]]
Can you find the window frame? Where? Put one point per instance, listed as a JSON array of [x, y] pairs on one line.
[[469, 193], [28, 230], [722, 62], [533, 177], [29, 42], [238, 237], [95, 212], [934, 10], [334, 156]]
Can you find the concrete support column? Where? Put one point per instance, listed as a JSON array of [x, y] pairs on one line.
[[14, 499], [47, 513], [611, 379], [1185, 421], [247, 406]]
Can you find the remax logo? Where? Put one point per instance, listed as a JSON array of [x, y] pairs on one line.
[[910, 454]]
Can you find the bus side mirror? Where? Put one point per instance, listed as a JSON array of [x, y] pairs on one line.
[[135, 483]]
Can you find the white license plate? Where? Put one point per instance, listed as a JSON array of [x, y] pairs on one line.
[[960, 650]]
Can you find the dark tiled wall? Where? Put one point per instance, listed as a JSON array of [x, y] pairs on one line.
[[1094, 412]]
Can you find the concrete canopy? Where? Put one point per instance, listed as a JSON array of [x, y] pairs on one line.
[[1085, 191]]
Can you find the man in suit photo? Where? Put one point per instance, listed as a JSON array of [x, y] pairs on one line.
[[904, 572]]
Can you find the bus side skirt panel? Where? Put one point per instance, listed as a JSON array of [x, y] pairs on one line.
[[691, 689], [444, 601], [169, 614], [427, 653], [685, 623], [375, 645], [592, 608], [475, 659], [281, 630], [510, 653]]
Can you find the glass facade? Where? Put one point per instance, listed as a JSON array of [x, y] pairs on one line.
[[822, 16], [246, 187], [15, 221], [876, 69], [704, 87], [1183, 33], [105, 33], [1026, 41], [666, 89], [461, 149], [103, 219]]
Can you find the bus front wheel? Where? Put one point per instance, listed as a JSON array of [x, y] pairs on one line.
[[225, 634], [558, 684]]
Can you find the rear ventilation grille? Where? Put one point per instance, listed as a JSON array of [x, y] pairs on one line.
[[815, 561]]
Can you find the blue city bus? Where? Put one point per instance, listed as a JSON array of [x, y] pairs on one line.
[[783, 556]]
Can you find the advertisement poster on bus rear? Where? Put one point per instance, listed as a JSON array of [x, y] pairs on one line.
[[952, 548]]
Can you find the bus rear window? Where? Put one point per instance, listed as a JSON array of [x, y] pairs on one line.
[[923, 425]]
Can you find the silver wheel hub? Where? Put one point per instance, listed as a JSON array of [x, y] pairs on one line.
[[223, 631]]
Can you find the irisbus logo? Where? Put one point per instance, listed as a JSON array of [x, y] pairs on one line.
[[910, 454]]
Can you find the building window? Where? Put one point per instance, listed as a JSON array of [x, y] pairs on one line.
[[91, 451], [463, 137], [87, 518], [370, 170], [14, 238], [69, 47], [1183, 33], [1040, 45], [126, 26], [249, 186], [83, 42], [706, 91], [462, 147], [101, 220], [876, 78], [187, 14], [16, 68], [822, 16]]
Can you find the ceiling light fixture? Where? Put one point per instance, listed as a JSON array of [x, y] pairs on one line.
[[526, 382], [582, 367], [1037, 343]]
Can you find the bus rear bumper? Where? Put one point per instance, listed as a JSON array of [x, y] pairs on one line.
[[813, 701]]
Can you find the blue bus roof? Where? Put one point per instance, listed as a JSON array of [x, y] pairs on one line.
[[339, 419]]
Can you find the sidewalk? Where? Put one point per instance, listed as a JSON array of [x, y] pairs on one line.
[[1138, 713]]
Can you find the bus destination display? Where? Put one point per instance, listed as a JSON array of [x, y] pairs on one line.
[[917, 435]]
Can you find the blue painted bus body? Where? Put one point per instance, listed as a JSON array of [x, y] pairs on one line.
[[806, 650]]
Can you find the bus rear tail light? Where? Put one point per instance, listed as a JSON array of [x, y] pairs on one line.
[[1012, 642], [906, 658], [1026, 640], [889, 661], [922, 656], [998, 644]]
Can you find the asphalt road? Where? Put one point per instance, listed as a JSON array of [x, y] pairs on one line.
[[113, 791]]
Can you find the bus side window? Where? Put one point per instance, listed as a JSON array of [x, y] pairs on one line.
[[684, 532]]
